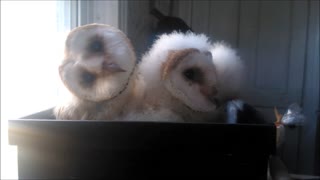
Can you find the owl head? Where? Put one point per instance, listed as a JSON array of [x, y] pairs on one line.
[[99, 60], [183, 64], [190, 76]]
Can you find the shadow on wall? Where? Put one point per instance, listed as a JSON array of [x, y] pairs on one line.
[[166, 24]]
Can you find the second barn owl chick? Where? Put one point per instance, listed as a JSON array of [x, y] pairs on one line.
[[98, 63], [180, 78]]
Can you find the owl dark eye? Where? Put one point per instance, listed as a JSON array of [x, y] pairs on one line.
[[87, 78], [189, 74], [96, 46], [194, 75]]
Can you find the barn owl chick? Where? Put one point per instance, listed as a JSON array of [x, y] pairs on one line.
[[180, 76], [98, 63]]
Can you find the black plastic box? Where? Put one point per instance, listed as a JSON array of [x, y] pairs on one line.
[[52, 149]]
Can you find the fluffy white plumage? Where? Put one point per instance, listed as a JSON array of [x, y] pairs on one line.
[[225, 74], [162, 99], [230, 70], [183, 77]]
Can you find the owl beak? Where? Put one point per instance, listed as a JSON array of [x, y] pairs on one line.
[[112, 67], [210, 93], [215, 101]]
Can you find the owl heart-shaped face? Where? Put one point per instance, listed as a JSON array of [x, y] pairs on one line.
[[190, 76], [98, 63]]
